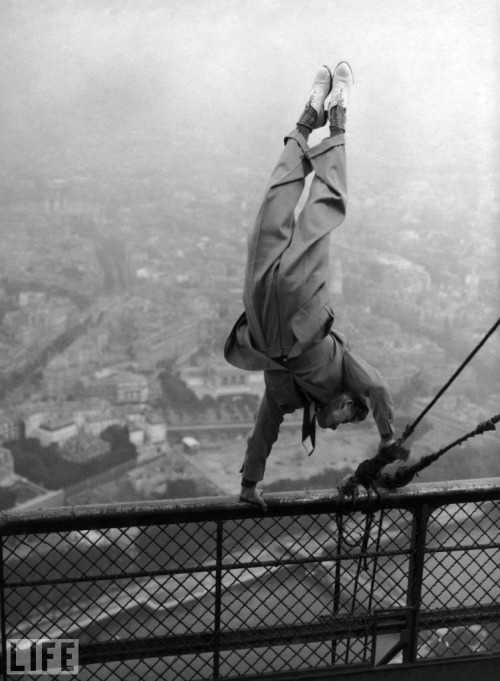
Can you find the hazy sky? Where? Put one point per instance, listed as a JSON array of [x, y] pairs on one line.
[[426, 71]]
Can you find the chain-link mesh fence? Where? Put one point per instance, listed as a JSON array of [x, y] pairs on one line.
[[232, 593]]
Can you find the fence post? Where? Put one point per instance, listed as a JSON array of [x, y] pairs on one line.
[[415, 575], [3, 634], [339, 519], [218, 598]]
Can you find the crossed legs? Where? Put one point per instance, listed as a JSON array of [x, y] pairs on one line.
[[288, 259]]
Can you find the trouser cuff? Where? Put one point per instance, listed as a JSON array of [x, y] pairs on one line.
[[325, 145], [318, 149], [295, 135]]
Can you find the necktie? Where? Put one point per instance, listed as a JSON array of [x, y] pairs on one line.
[[309, 428]]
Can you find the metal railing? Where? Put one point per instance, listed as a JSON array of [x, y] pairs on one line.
[[214, 589]]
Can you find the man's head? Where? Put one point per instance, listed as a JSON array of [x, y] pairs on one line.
[[345, 408]]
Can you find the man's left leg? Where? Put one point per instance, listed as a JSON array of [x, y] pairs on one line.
[[275, 224], [302, 289]]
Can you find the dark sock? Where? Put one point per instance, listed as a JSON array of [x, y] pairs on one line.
[[247, 483], [337, 120], [306, 122]]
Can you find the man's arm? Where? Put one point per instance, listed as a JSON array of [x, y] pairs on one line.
[[362, 378], [268, 419]]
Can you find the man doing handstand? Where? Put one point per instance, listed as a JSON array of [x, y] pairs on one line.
[[286, 329]]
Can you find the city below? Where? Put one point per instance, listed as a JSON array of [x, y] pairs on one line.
[[116, 298]]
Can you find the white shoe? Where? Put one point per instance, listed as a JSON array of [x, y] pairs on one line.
[[320, 90], [343, 80]]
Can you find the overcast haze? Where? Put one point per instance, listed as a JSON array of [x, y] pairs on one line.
[[424, 70], [80, 78]]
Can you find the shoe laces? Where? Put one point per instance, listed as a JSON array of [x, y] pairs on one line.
[[339, 97]]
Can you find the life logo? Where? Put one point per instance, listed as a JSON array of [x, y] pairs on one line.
[[42, 656]]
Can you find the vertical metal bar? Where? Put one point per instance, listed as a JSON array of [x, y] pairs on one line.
[[362, 564], [372, 589], [3, 633], [218, 598], [415, 575], [336, 592]]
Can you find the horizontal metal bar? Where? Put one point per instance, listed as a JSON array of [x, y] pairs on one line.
[[457, 617], [445, 669], [210, 509], [463, 548], [330, 558], [209, 568], [248, 565], [109, 576], [314, 632]]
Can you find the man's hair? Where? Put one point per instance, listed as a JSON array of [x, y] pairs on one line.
[[356, 402], [359, 407]]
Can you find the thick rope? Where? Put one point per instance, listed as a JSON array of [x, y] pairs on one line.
[[410, 428], [405, 474]]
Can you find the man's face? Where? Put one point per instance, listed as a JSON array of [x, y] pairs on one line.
[[334, 414]]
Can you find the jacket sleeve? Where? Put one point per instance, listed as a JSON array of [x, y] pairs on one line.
[[360, 377], [268, 419]]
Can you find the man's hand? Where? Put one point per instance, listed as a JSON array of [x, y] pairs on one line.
[[368, 472], [386, 442], [349, 485], [251, 495], [392, 450]]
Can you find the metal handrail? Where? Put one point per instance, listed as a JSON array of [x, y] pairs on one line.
[[103, 516]]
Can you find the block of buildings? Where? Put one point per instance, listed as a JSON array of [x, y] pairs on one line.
[[7, 475], [57, 430], [155, 428], [120, 387], [98, 385], [10, 426], [95, 424], [33, 414], [131, 387], [135, 433], [83, 448], [221, 379], [83, 410]]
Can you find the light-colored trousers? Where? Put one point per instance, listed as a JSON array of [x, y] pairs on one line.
[[286, 280]]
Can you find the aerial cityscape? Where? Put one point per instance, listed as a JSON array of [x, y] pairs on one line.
[[124, 227], [116, 302], [138, 538]]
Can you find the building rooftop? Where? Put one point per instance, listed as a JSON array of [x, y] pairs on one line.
[[58, 422]]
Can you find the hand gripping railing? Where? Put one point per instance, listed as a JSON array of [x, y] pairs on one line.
[[214, 589]]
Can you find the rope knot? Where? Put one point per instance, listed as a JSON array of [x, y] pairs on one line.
[[484, 426]]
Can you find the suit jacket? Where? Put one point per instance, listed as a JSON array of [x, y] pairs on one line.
[[240, 351], [346, 372], [310, 324]]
